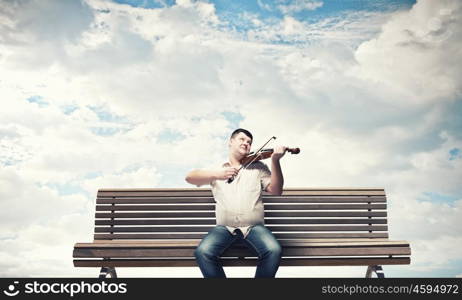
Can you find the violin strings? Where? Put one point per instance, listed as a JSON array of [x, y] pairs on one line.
[[257, 153]]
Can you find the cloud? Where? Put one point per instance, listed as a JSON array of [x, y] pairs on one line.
[[417, 53], [142, 177], [298, 5], [25, 21], [349, 29], [26, 202], [24, 25], [45, 249]]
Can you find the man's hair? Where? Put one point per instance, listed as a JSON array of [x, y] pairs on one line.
[[237, 131]]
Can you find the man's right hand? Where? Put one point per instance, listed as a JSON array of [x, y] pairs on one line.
[[227, 173]]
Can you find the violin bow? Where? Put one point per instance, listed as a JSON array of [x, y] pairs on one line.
[[256, 155]]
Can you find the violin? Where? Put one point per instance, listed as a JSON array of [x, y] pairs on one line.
[[259, 155], [264, 154]]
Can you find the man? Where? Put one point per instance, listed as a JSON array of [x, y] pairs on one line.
[[239, 208]]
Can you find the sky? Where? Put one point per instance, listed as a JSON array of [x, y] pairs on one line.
[[135, 93]]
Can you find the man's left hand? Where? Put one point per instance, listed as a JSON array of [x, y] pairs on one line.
[[278, 152]]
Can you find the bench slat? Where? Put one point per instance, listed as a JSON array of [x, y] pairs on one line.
[[273, 228], [321, 261], [273, 199], [242, 252], [207, 192], [278, 235], [211, 214], [212, 221], [197, 240], [166, 207], [284, 243]]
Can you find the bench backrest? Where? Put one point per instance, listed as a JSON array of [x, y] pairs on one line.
[[189, 213]]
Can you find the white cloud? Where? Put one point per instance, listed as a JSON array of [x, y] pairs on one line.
[[417, 53], [27, 202], [45, 249], [430, 255], [349, 29], [25, 25], [298, 5], [142, 177]]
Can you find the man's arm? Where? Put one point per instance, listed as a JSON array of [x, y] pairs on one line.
[[202, 177], [277, 179]]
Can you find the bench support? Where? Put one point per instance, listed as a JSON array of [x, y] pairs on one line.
[[375, 269], [105, 271]]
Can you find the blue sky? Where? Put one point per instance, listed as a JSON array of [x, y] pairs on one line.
[[238, 15], [268, 9], [106, 94]]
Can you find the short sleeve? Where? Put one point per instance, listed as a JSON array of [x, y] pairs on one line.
[[209, 167], [265, 176]]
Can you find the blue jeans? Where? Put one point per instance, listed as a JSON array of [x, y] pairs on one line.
[[260, 239]]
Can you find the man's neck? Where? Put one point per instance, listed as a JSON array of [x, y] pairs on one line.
[[234, 161]]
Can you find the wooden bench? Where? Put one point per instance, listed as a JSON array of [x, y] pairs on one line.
[[316, 227]]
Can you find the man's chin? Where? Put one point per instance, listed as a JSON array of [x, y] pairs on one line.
[[244, 152]]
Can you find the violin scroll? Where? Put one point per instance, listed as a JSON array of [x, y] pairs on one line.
[[293, 150]]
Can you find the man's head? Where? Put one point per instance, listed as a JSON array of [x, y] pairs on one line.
[[244, 131], [240, 142]]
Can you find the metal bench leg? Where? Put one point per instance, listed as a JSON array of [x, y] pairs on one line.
[[105, 271], [375, 269]]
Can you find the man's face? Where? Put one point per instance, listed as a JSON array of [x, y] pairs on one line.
[[240, 143]]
